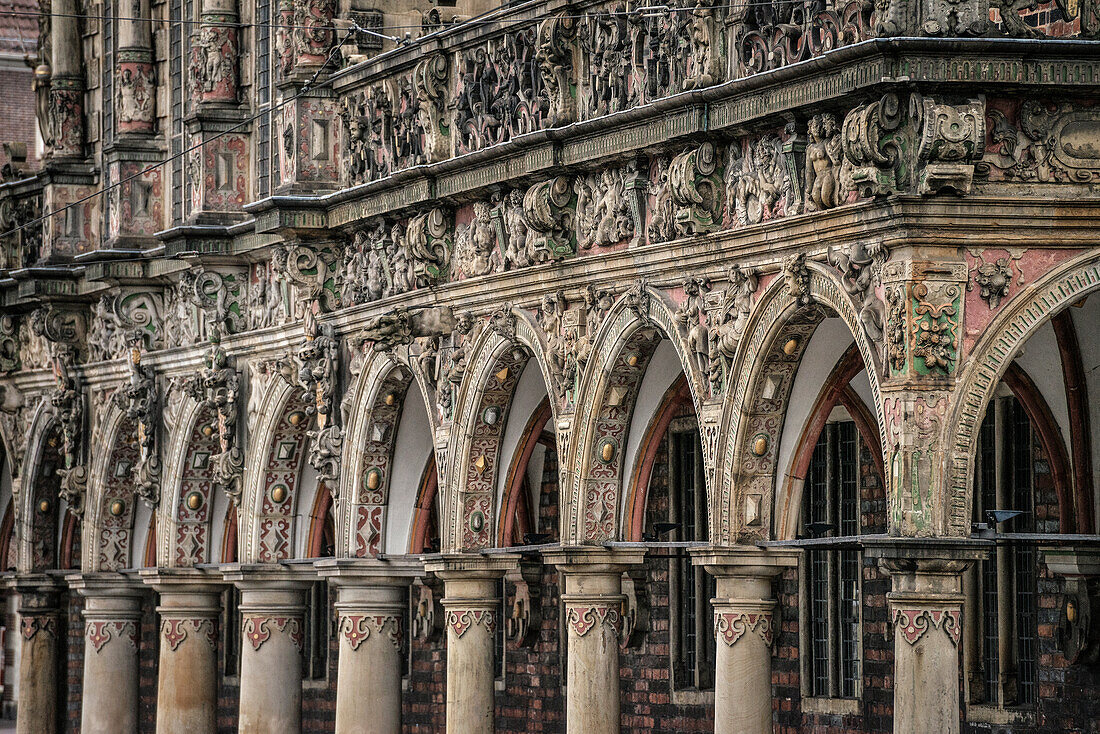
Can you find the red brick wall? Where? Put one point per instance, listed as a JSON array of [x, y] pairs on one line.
[[19, 121], [73, 656]]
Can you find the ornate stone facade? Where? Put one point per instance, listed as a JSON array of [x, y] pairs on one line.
[[368, 309]]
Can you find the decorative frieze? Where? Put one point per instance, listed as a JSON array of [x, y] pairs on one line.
[[459, 621], [30, 625], [913, 624], [258, 630], [583, 618], [730, 627], [356, 628], [99, 633]]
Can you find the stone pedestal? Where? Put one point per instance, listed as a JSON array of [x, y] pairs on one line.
[[112, 618], [926, 604], [187, 674], [39, 627], [593, 619], [744, 629], [372, 597], [471, 600], [272, 634]]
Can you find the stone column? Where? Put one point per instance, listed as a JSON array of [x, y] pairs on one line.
[[471, 600], [66, 81], [112, 615], [39, 627], [926, 605], [187, 673], [593, 612], [272, 608], [372, 597], [135, 98], [744, 628]]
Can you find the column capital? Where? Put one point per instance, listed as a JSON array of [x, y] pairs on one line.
[[38, 593], [471, 566], [926, 565], [268, 577], [349, 572], [589, 560], [745, 561], [108, 595]]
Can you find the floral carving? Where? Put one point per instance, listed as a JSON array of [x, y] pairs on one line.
[[430, 85], [771, 34], [554, 54], [913, 624]]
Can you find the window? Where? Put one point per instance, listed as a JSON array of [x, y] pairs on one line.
[[231, 632], [317, 625], [831, 576], [690, 587], [262, 80], [1003, 586]]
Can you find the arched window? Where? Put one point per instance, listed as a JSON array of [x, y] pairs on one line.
[[831, 579], [1004, 585]]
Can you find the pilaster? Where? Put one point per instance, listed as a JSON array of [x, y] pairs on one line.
[[594, 616], [926, 612], [187, 673], [372, 597], [112, 635], [272, 635], [471, 602], [744, 628], [39, 630]]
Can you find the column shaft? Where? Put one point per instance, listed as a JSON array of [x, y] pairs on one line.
[[112, 615], [368, 692], [187, 676], [39, 627], [272, 608], [471, 606]]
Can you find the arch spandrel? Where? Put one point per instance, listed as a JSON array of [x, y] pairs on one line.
[[592, 468], [777, 332], [987, 363]]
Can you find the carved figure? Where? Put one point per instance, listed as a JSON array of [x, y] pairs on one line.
[[757, 185], [824, 157]]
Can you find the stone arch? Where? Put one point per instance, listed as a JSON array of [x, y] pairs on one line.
[[368, 460], [513, 520], [273, 473], [989, 359], [482, 407], [109, 510], [628, 336], [35, 532], [769, 354], [187, 500]]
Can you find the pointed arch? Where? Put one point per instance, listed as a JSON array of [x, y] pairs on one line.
[[35, 534], [513, 502], [425, 514], [187, 494], [768, 356]]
